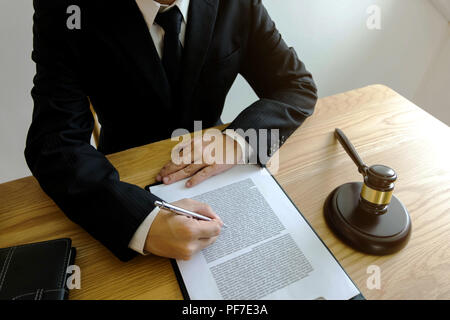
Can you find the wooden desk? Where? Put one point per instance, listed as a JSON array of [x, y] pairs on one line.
[[386, 129]]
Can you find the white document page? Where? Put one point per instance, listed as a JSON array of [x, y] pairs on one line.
[[268, 250]]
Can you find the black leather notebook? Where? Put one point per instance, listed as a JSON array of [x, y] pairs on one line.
[[36, 271]]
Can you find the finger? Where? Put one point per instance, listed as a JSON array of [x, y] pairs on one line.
[[170, 168], [184, 173], [206, 242], [193, 230], [187, 157], [195, 247], [206, 173], [207, 229]]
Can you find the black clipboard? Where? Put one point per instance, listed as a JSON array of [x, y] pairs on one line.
[[179, 277]]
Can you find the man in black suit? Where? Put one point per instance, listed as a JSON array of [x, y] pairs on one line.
[[150, 67]]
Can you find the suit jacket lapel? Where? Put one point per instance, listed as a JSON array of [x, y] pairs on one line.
[[133, 34], [199, 32]]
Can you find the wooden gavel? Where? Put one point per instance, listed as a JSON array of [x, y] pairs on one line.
[[367, 215]]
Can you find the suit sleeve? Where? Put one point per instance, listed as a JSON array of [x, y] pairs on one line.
[[80, 180], [286, 89]]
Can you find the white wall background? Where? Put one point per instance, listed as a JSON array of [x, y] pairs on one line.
[[411, 54], [331, 37]]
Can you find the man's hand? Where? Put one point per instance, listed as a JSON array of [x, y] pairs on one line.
[[201, 161], [180, 237]]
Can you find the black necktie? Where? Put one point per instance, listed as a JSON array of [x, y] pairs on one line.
[[170, 21]]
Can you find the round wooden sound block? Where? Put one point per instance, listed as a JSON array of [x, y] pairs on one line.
[[366, 232]]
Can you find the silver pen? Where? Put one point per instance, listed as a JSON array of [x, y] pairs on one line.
[[181, 211]]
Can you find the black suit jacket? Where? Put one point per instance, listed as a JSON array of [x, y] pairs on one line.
[[113, 61]]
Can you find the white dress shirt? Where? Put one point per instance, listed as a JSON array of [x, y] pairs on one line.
[[149, 10]]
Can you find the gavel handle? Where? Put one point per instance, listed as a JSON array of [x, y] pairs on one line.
[[351, 151]]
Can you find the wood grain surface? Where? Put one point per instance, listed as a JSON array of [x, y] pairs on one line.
[[384, 127]]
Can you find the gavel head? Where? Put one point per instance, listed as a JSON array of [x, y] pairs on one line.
[[376, 192]]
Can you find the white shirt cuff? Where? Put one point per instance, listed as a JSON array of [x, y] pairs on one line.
[[137, 243], [242, 144]]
